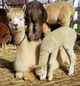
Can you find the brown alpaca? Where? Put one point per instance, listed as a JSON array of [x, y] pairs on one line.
[[5, 36]]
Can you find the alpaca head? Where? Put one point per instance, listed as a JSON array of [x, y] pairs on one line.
[[35, 17], [16, 19]]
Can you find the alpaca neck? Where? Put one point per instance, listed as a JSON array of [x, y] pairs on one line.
[[19, 38]]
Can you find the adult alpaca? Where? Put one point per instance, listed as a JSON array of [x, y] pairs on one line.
[[3, 17], [5, 35], [59, 13], [27, 52], [35, 17]]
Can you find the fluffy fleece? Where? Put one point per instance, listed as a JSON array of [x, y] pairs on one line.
[[59, 12], [26, 56], [62, 37]]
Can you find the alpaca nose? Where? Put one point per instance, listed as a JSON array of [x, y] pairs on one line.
[[15, 25]]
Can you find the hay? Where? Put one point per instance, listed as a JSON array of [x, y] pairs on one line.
[[7, 77]]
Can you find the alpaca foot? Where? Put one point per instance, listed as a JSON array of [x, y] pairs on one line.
[[19, 75], [29, 76], [50, 78], [41, 73], [43, 77], [71, 71]]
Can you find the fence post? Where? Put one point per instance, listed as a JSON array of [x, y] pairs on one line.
[[75, 2]]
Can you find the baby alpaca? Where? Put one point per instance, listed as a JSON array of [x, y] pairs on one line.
[[62, 37]]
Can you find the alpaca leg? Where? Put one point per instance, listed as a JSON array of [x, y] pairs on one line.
[[29, 76], [4, 46], [72, 61], [72, 58], [41, 71], [53, 64], [19, 75], [44, 74], [64, 56]]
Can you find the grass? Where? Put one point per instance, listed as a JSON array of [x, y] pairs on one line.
[[78, 30]]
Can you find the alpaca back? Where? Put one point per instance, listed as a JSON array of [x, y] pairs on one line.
[[60, 37], [57, 13]]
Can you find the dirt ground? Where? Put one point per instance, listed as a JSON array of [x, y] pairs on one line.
[[60, 78]]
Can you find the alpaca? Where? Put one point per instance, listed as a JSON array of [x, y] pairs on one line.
[[5, 36], [62, 37], [56, 13], [35, 17], [27, 52]]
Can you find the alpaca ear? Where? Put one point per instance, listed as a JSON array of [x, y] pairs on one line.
[[7, 8], [24, 7]]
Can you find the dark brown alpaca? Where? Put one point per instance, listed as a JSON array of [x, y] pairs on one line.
[[5, 36], [35, 17], [3, 17]]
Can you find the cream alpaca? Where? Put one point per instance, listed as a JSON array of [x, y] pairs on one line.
[[62, 37], [25, 55], [59, 12], [27, 52]]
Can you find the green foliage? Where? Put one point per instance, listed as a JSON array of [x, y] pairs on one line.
[[78, 30]]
